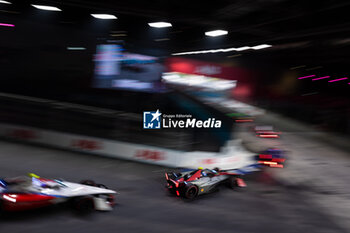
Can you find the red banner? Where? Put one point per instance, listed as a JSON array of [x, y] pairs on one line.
[[245, 78], [189, 66]]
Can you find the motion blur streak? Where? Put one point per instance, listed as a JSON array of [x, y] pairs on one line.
[[336, 80], [160, 24], [7, 197], [276, 165], [76, 48], [5, 2], [268, 136], [117, 92], [257, 47], [46, 8], [269, 163], [248, 120], [103, 16], [309, 76], [320, 78], [7, 25]]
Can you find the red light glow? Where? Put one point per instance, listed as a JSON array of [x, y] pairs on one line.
[[268, 163], [263, 156], [276, 165], [240, 182], [268, 136], [278, 160], [247, 120]]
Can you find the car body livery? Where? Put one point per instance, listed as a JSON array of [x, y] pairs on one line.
[[272, 157], [190, 184], [31, 192]]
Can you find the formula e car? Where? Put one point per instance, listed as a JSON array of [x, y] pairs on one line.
[[272, 157], [191, 183], [31, 192]]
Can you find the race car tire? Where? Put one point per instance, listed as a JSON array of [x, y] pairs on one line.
[[88, 182], [83, 205], [171, 191], [191, 192], [232, 182], [109, 198]]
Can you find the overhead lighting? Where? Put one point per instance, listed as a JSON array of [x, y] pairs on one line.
[[242, 48], [7, 25], [104, 16], [118, 31], [76, 48], [314, 68], [5, 2], [262, 46], [160, 25], [161, 39], [216, 33], [46, 8], [221, 50], [120, 34], [297, 67]]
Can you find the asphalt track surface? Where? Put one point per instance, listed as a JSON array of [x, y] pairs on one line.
[[268, 204]]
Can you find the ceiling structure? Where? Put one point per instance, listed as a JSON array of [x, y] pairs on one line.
[[299, 31]]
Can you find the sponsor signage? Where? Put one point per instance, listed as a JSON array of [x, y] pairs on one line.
[[190, 66], [231, 156], [86, 144], [149, 155], [22, 134]]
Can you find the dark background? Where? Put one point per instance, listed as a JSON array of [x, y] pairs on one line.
[[308, 37]]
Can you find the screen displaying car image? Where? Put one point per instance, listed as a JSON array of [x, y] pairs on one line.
[[118, 69]]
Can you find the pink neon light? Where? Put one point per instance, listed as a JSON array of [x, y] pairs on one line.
[[7, 25], [339, 79], [320, 78], [309, 76]]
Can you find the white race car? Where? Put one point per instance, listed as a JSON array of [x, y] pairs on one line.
[[31, 192]]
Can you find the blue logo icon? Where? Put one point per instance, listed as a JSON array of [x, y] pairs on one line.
[[151, 120]]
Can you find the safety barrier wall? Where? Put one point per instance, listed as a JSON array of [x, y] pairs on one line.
[[105, 123], [231, 156]]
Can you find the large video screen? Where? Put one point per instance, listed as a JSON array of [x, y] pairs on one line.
[[116, 68]]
